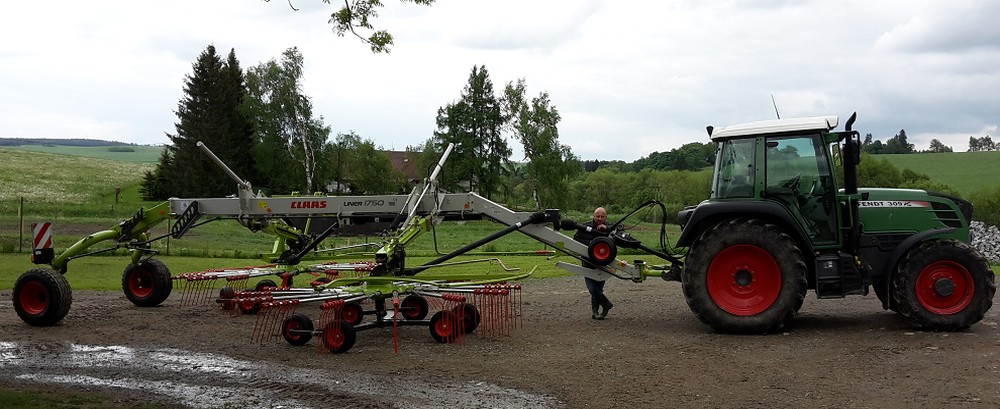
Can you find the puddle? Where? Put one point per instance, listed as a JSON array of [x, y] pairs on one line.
[[202, 380]]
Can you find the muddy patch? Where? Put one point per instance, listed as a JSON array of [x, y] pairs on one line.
[[205, 380]]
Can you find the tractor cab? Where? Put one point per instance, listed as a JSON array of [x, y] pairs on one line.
[[784, 170]]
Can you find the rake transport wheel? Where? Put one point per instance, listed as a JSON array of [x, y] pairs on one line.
[[944, 285], [148, 283], [297, 329], [413, 308], [470, 317], [42, 297], [602, 250], [442, 327], [338, 336], [352, 313], [745, 276]]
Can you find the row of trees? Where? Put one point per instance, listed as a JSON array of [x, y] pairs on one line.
[[263, 127], [898, 144]]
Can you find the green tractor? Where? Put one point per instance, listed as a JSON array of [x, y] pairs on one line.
[[778, 223]]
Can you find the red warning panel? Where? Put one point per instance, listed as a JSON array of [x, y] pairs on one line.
[[43, 235]]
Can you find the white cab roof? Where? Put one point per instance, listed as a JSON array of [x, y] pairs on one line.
[[815, 123]]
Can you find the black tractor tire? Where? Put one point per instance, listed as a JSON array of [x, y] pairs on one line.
[[338, 337], [294, 328], [148, 283], [944, 285], [42, 297], [413, 308], [884, 289], [745, 276]]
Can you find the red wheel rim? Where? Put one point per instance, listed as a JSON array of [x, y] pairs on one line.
[[411, 308], [953, 302], [443, 327], [140, 283], [333, 337], [34, 297], [351, 313], [291, 326], [602, 251], [744, 280]]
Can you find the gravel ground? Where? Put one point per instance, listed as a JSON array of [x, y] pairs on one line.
[[650, 352]]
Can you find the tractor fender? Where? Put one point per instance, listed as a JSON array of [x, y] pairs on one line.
[[708, 214]]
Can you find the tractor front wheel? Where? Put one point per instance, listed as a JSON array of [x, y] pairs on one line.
[[944, 285], [148, 283], [745, 276], [42, 297]]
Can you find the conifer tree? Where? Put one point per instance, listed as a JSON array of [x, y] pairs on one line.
[[481, 156], [208, 112]]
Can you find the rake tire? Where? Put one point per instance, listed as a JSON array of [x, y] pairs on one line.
[[352, 313], [148, 283], [338, 336], [442, 327], [42, 297], [297, 323], [471, 318], [413, 308]]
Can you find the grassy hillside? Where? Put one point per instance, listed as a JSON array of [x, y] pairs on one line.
[[963, 171], [140, 154]]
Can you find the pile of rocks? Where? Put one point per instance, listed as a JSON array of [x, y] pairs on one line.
[[986, 239]]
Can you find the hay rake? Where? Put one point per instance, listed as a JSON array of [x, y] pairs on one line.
[[487, 308], [42, 296]]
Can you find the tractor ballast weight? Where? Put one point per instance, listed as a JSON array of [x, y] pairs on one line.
[[776, 224]]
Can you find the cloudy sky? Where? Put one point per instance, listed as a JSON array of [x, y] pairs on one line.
[[628, 77]]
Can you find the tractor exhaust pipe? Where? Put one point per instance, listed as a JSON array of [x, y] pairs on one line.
[[852, 156]]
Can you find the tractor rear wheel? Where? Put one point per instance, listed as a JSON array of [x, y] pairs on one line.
[[944, 285], [42, 297], [745, 276], [148, 283]]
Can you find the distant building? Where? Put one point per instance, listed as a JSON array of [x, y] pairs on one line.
[[406, 163], [401, 161]]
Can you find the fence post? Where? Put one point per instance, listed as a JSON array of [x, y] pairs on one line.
[[20, 226]]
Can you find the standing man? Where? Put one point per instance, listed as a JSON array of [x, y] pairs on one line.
[[598, 227]]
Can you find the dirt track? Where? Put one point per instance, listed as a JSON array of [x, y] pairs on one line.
[[651, 352]]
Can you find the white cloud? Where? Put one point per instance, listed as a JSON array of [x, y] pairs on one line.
[[628, 77]]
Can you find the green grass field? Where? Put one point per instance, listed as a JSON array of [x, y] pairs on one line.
[[76, 194], [963, 171], [140, 154]]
